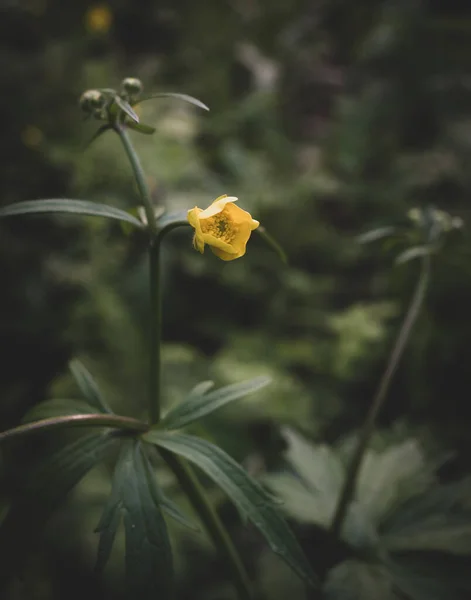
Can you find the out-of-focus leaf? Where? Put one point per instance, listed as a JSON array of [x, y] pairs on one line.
[[172, 219], [63, 205], [126, 108], [316, 464], [195, 407], [357, 580], [55, 408], [141, 127], [249, 497], [411, 253], [375, 234], [183, 97], [200, 389], [88, 386], [98, 133], [42, 492]]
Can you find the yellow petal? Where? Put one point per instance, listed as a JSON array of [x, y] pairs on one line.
[[217, 206], [225, 255]]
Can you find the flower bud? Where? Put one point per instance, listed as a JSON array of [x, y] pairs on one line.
[[131, 86], [91, 100]]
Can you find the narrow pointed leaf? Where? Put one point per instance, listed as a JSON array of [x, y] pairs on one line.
[[57, 407], [411, 253], [88, 386], [249, 497], [201, 388], [195, 407], [98, 133], [75, 207], [42, 492], [183, 97], [375, 234], [126, 108], [148, 555], [107, 528], [161, 500]]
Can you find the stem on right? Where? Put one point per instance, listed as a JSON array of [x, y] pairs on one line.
[[348, 490]]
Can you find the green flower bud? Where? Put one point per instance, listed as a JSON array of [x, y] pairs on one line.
[[131, 86]]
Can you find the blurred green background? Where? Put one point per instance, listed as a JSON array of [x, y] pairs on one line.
[[327, 119]]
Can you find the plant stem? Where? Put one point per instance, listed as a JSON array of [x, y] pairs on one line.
[[195, 493], [155, 325], [140, 177], [85, 420], [348, 490]]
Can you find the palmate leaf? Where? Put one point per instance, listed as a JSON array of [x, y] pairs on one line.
[[148, 556], [249, 497], [197, 406], [88, 386], [42, 493], [63, 205]]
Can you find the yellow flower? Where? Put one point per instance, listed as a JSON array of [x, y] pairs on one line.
[[98, 18], [223, 226]]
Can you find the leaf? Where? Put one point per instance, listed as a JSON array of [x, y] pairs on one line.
[[42, 492], [148, 555], [167, 505], [183, 97], [62, 205], [88, 386], [411, 253], [98, 133], [56, 407], [172, 220], [126, 108], [248, 496], [357, 580], [201, 388], [375, 234], [141, 127], [195, 407]]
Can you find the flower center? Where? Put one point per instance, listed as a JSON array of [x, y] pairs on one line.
[[220, 226]]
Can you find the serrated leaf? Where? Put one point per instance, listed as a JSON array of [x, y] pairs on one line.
[[141, 127], [76, 207], [375, 234], [148, 555], [183, 97], [195, 407], [249, 497], [42, 492], [161, 500], [411, 253], [88, 386], [126, 108]]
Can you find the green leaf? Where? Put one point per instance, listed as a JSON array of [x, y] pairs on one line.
[[42, 492], [88, 386], [148, 555], [183, 97], [141, 127], [167, 505], [375, 234], [76, 207], [98, 133], [248, 496], [56, 407], [411, 253], [126, 108], [176, 218], [195, 407]]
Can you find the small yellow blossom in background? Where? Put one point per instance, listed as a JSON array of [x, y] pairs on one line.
[[225, 227], [98, 18]]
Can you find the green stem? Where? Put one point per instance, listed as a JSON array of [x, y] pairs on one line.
[[155, 325], [348, 490], [140, 177], [85, 420], [195, 493]]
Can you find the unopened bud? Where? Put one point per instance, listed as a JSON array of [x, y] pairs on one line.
[[91, 100], [131, 86]]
